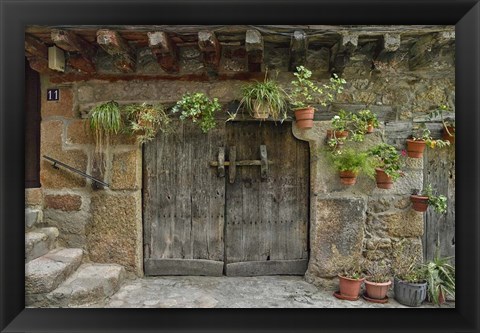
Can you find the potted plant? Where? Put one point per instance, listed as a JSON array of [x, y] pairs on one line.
[[388, 164], [145, 120], [447, 122], [440, 277], [366, 121], [416, 145], [377, 283], [410, 287], [422, 199], [303, 95], [350, 163], [264, 99], [198, 108], [351, 278], [338, 134]]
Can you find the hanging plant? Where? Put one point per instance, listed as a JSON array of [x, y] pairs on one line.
[[388, 163], [350, 163], [145, 120], [198, 108], [264, 99]]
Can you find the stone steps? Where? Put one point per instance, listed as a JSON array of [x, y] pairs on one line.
[[92, 283], [47, 272], [39, 242]]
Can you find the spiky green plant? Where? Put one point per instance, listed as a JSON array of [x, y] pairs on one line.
[[105, 119], [353, 160], [265, 95], [440, 278]]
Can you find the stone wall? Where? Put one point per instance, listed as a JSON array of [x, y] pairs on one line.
[[107, 223]]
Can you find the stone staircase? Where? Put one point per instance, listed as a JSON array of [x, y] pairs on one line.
[[58, 277]]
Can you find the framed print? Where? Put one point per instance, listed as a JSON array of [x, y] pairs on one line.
[[239, 166]]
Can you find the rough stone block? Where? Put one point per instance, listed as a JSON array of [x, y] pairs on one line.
[[33, 216], [33, 197], [413, 163], [114, 235], [78, 132], [64, 107], [51, 145], [44, 274], [381, 204], [90, 284], [39, 242], [85, 94], [70, 224], [65, 202], [405, 223], [337, 232], [125, 172], [407, 251]]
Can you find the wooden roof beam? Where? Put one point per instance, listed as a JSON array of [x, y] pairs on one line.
[[164, 50], [298, 50], [37, 54], [387, 45], [116, 46], [342, 50], [254, 48], [211, 49], [70, 42]]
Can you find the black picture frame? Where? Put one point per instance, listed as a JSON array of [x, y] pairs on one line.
[[464, 14]]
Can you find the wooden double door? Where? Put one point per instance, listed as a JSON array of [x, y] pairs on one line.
[[234, 201]]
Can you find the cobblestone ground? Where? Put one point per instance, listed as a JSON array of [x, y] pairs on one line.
[[233, 292]]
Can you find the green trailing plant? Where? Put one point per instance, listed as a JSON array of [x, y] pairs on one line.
[[305, 92], [363, 118], [198, 108], [440, 276], [437, 202], [265, 95], [446, 121], [352, 160], [145, 120], [387, 158], [105, 120], [423, 133]]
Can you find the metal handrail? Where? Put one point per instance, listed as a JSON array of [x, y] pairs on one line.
[[68, 167]]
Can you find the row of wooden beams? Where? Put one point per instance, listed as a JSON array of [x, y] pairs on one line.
[[112, 43], [211, 49], [84, 52], [298, 50], [164, 50], [254, 48], [37, 54]]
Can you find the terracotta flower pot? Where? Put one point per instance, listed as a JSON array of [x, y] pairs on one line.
[[419, 203], [348, 177], [338, 134], [383, 180], [350, 287], [370, 128], [377, 290], [449, 137], [304, 117], [260, 111], [415, 148]]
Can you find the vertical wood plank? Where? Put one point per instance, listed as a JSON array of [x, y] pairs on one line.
[[216, 196]]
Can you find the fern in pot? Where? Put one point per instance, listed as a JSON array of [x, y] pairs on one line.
[[350, 163], [264, 99]]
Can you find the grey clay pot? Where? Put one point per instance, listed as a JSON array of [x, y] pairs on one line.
[[409, 294]]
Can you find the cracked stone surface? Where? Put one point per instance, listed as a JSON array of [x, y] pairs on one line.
[[233, 292]]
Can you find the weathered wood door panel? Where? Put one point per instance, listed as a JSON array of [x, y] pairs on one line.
[[439, 232], [267, 219], [184, 203]]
